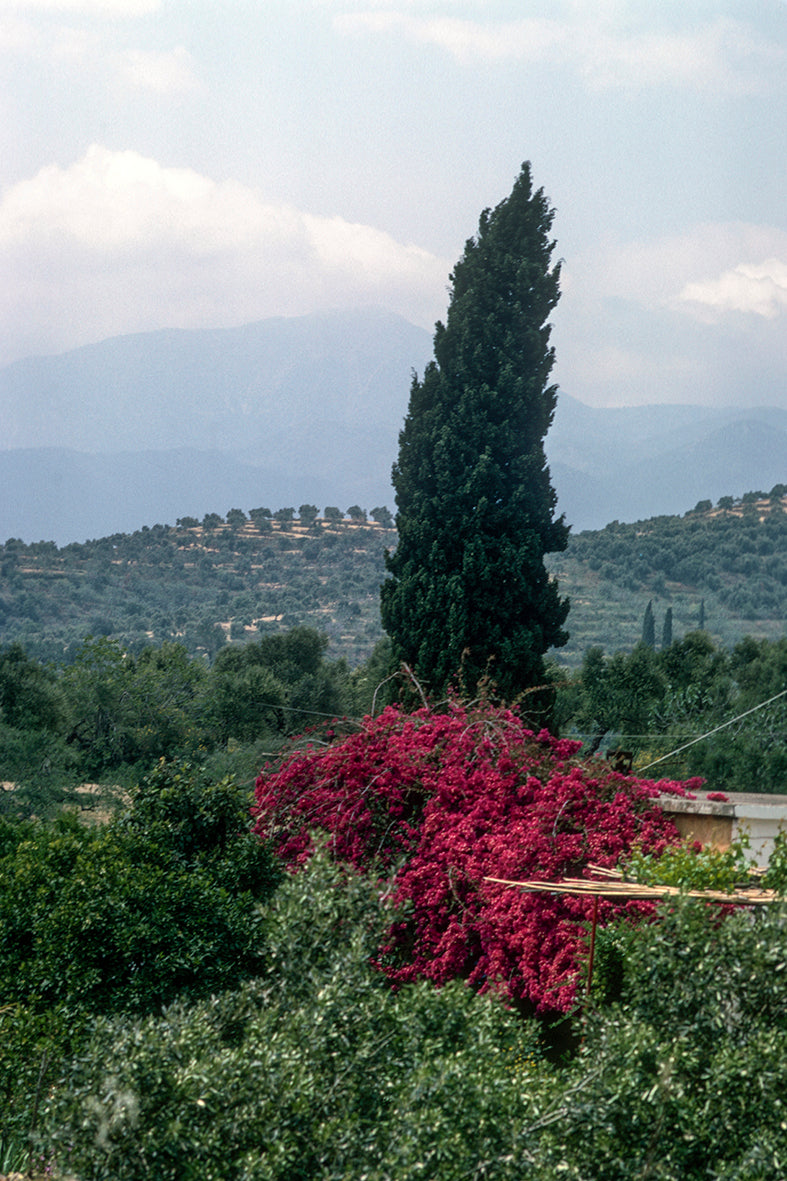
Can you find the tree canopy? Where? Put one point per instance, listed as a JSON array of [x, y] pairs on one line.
[[468, 588]]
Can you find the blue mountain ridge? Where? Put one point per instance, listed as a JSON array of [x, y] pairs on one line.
[[143, 429]]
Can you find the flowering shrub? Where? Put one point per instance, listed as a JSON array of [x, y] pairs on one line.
[[692, 866], [437, 803]]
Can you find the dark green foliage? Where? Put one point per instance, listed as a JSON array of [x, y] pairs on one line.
[[202, 823], [179, 584], [176, 584], [119, 713], [732, 703], [618, 695], [687, 1077], [33, 1045], [382, 516], [101, 920], [468, 590], [162, 904], [33, 753], [315, 1071], [281, 683], [307, 514], [751, 755], [375, 683], [666, 631], [123, 708], [725, 569], [236, 518], [649, 627], [30, 698], [285, 517]]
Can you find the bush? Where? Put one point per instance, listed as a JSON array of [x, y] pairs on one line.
[[439, 802], [158, 905], [687, 1076], [316, 1071], [92, 921]]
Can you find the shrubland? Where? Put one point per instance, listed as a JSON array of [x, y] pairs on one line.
[[440, 802], [349, 998], [344, 992]]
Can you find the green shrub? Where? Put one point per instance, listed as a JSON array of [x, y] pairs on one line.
[[687, 1076], [315, 1071], [96, 921], [163, 904]]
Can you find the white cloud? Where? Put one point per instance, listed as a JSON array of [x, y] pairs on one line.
[[466, 40], [757, 289], [119, 243], [676, 318], [722, 55], [659, 272]]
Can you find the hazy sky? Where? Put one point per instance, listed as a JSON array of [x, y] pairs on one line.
[[184, 163]]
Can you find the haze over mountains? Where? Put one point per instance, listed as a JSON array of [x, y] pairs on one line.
[[148, 428]]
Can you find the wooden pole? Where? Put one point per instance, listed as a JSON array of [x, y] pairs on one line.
[[592, 944]]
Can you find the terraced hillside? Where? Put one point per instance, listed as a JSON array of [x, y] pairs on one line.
[[230, 579]]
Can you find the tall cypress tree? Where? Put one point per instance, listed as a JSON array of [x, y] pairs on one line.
[[649, 626], [476, 510], [666, 632]]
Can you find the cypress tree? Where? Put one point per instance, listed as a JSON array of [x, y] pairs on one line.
[[475, 507], [649, 627], [666, 633]]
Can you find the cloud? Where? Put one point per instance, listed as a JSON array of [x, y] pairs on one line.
[[696, 316], [118, 243], [720, 55], [659, 272], [467, 41], [66, 44], [756, 289]]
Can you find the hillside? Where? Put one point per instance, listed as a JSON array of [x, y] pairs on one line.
[[151, 426], [726, 565], [204, 583], [199, 584]]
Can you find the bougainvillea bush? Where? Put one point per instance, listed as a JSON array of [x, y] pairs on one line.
[[437, 802]]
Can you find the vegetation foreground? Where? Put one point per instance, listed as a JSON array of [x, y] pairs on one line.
[[183, 998]]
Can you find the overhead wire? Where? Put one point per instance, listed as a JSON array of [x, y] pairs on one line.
[[715, 730]]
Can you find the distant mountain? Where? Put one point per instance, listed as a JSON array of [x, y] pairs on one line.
[[143, 429], [634, 462], [226, 389], [146, 428]]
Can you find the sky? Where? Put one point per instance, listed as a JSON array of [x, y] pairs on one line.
[[166, 163]]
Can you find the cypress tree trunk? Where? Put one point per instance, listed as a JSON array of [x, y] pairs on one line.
[[476, 510]]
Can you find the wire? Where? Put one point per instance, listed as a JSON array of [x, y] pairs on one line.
[[716, 729]]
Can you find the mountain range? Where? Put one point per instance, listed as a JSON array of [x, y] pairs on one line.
[[147, 428]]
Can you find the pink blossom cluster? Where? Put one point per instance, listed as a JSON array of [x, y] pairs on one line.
[[437, 802]]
